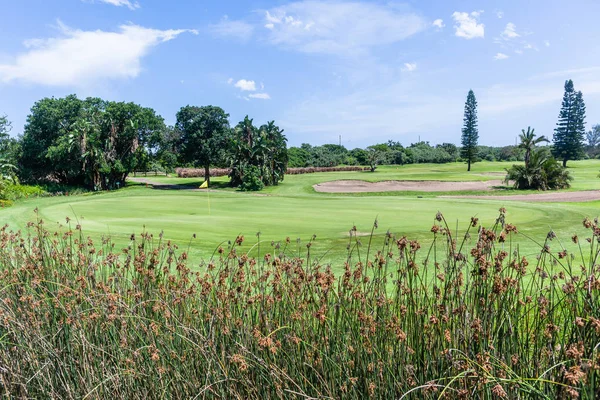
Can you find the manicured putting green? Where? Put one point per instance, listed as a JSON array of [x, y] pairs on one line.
[[294, 210]]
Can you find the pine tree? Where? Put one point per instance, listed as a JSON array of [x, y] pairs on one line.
[[570, 130], [470, 134]]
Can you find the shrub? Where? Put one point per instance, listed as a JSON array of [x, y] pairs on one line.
[[542, 172], [251, 179]]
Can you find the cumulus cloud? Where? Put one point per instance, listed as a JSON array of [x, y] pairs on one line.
[[262, 96], [438, 23], [500, 56], [467, 25], [246, 86], [231, 28], [409, 67], [510, 32], [132, 5], [81, 58], [338, 27]]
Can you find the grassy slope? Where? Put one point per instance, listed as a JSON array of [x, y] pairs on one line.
[[293, 209]]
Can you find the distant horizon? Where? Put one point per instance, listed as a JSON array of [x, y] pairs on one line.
[[371, 71]]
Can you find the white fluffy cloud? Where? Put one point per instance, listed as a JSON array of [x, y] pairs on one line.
[[262, 96], [81, 58], [438, 23], [547, 43], [510, 32], [467, 25], [338, 27], [500, 56], [132, 5], [409, 67], [246, 86]]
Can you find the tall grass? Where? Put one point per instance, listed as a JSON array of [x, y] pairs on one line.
[[476, 319]]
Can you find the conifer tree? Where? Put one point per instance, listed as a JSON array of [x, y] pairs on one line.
[[470, 134], [570, 130]]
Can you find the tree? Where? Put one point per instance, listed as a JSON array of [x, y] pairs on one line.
[[257, 152], [570, 131], [91, 142], [275, 157], [529, 141], [204, 133], [373, 157], [470, 134], [542, 173], [593, 136]]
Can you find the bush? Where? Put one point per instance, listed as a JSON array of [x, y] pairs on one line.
[[542, 173], [251, 179]]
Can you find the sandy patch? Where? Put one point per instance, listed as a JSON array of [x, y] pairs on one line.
[[353, 186], [548, 197]]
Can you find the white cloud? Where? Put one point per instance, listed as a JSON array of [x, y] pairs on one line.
[[510, 32], [132, 5], [338, 27], [409, 67], [500, 56], [519, 51], [81, 58], [467, 26], [438, 23], [262, 96], [499, 14], [230, 81], [547, 43], [244, 85], [230, 28]]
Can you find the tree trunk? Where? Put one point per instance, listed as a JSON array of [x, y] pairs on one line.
[[207, 173], [564, 163], [468, 165]]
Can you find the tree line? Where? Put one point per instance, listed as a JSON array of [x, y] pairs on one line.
[[96, 144]]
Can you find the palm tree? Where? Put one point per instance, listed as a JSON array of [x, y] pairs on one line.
[[542, 172], [529, 141]]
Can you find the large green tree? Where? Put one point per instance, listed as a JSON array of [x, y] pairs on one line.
[[470, 133], [203, 135], [258, 156], [92, 142], [569, 134]]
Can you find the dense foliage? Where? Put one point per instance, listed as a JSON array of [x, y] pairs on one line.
[[257, 154], [570, 130], [470, 133], [541, 172], [468, 318], [203, 134], [92, 142]]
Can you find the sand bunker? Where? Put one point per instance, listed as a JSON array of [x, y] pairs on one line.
[[353, 186], [547, 197]]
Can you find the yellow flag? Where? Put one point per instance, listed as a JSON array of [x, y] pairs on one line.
[[204, 185]]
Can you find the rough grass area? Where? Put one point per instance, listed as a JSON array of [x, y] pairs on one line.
[[476, 319]]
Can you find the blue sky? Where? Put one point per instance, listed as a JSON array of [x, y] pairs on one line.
[[370, 71]]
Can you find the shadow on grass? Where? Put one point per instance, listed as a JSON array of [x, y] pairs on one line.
[[189, 186]]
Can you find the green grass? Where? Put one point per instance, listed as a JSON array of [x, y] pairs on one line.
[[293, 209]]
